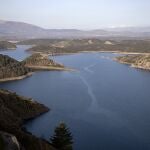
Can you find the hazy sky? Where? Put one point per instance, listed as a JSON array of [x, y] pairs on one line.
[[80, 14]]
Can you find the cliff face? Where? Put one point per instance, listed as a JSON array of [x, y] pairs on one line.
[[40, 61], [14, 110], [11, 68], [7, 45], [137, 61]]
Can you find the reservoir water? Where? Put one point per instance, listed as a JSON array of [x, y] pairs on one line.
[[105, 104]]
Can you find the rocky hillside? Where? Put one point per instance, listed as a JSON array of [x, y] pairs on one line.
[[12, 69], [137, 61], [74, 46], [41, 61], [8, 141], [14, 110], [7, 45], [70, 46]]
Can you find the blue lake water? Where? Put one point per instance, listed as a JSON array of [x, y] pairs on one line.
[[18, 54], [105, 104]]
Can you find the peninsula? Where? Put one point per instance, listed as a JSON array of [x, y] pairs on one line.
[[39, 61], [14, 111], [11, 69]]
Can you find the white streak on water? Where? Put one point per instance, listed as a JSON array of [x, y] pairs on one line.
[[96, 109], [94, 104], [88, 68], [105, 57]]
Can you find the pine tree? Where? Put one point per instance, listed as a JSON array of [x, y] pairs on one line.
[[62, 138]]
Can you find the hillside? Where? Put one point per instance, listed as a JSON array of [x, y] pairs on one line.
[[74, 46], [137, 61], [39, 61], [69, 46], [20, 30], [7, 45], [14, 110], [13, 30], [11, 69]]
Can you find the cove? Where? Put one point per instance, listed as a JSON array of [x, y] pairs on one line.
[[105, 104]]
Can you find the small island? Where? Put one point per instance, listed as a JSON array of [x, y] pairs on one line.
[[141, 61], [5, 45]]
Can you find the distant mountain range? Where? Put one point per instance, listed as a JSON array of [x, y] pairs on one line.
[[18, 30]]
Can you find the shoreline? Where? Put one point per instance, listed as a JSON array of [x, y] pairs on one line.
[[20, 132], [139, 67], [117, 52], [131, 65], [50, 68], [7, 49], [16, 78]]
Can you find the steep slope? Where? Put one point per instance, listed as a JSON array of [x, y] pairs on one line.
[[11, 69], [14, 110]]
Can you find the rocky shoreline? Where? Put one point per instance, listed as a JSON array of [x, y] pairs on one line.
[[139, 61], [11, 69], [15, 110], [50, 68], [16, 78]]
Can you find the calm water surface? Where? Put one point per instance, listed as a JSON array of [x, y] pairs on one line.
[[105, 104]]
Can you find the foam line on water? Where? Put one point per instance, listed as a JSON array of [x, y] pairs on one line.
[[94, 104], [88, 68], [105, 57], [95, 107]]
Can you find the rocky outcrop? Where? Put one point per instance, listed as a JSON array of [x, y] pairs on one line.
[[41, 62], [141, 61], [10, 142], [11, 69], [4, 45], [14, 110]]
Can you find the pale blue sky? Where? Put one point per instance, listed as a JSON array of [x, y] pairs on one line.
[[79, 14]]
